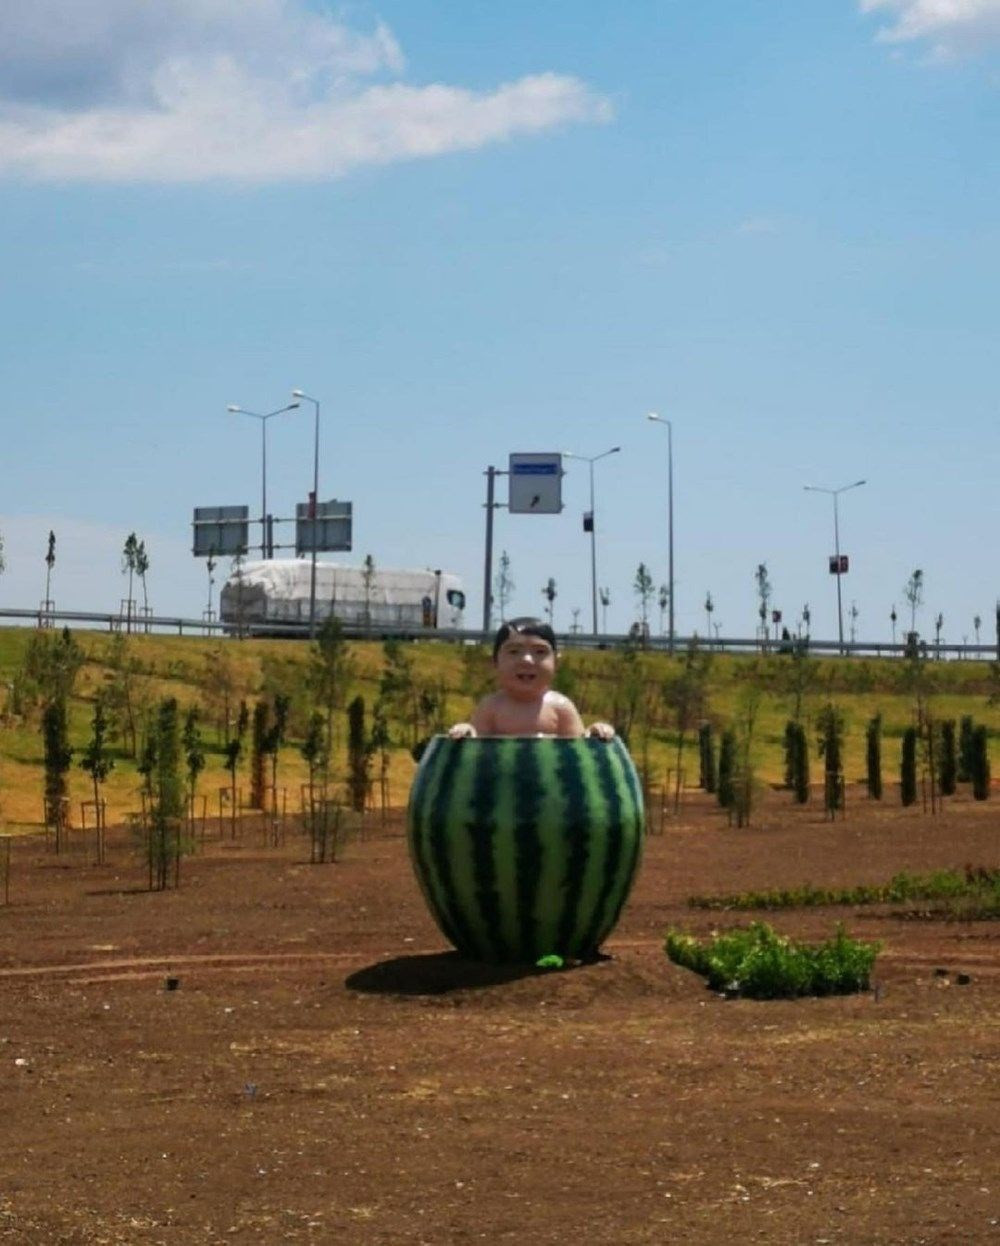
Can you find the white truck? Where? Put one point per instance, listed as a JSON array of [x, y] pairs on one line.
[[278, 592]]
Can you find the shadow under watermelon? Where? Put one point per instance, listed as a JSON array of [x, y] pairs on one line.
[[438, 973]]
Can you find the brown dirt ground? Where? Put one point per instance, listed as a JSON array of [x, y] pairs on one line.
[[326, 1071]]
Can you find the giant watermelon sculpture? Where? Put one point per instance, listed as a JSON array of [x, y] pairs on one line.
[[525, 847]]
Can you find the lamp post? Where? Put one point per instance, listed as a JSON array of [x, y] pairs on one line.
[[590, 461], [298, 393], [263, 417], [835, 494], [659, 419]]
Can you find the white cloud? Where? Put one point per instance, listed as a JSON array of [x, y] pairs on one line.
[[951, 27], [253, 90]]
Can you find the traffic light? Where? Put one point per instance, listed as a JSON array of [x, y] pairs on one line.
[[588, 521]]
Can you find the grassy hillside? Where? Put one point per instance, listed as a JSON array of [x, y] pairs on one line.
[[604, 684]]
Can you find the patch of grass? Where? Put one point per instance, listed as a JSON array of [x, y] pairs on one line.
[[974, 883], [759, 963]]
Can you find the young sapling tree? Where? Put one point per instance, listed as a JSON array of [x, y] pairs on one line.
[[194, 758], [642, 586], [549, 593]]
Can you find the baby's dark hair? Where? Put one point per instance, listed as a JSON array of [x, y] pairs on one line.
[[523, 627]]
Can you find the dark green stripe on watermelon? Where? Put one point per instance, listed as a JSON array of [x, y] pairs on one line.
[[481, 827], [527, 845], [630, 778], [601, 919], [577, 832], [452, 912]]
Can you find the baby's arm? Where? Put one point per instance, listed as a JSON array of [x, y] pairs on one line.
[[571, 724], [568, 718]]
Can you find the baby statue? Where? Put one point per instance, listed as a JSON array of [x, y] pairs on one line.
[[524, 704]]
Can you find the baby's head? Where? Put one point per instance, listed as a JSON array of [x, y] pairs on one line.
[[523, 627], [524, 654]]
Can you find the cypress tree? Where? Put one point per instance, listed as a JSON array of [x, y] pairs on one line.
[[980, 764], [831, 748], [167, 814], [800, 778], [316, 751], [725, 791], [965, 729], [947, 758], [58, 757], [908, 767], [791, 745], [258, 752], [706, 754], [357, 754], [873, 757]]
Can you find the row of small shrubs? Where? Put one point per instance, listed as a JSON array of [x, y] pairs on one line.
[[759, 963], [976, 883]]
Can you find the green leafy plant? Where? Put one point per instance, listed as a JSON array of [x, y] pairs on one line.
[[760, 963]]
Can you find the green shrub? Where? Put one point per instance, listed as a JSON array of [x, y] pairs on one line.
[[759, 963]]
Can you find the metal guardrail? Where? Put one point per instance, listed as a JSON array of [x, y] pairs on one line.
[[567, 640]]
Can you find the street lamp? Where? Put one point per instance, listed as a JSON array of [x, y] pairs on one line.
[[593, 526], [659, 419], [835, 494], [263, 417], [298, 393]]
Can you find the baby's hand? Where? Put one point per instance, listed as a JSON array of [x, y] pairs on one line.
[[461, 731], [601, 731]]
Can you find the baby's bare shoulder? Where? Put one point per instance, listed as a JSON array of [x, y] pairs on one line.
[[558, 699]]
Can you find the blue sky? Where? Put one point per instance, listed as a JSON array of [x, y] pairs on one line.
[[473, 229]]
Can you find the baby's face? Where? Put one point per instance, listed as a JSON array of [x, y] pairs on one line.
[[526, 667]]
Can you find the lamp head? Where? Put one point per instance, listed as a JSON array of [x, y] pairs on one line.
[[298, 393], [233, 407]]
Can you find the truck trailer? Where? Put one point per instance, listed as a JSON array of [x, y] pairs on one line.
[[277, 592]]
